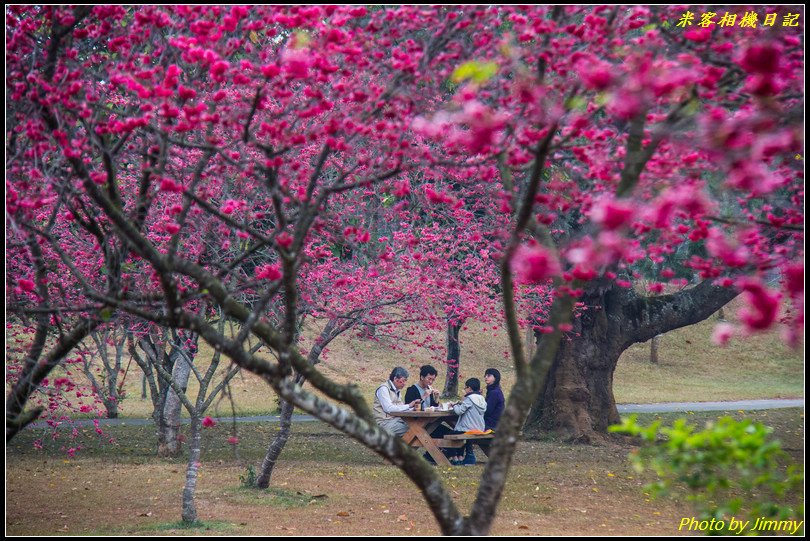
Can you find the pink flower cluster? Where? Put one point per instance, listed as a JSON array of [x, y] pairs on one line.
[[534, 264], [270, 272]]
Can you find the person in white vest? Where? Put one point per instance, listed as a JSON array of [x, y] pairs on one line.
[[387, 400]]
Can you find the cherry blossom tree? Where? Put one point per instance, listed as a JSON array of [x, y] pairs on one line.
[[166, 357], [650, 152], [211, 383], [110, 345], [162, 159]]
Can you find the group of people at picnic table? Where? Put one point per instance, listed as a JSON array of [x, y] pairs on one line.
[[476, 414]]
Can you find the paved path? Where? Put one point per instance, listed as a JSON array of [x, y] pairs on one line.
[[744, 405], [663, 407]]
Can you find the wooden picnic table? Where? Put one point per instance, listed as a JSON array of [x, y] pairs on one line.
[[420, 425]]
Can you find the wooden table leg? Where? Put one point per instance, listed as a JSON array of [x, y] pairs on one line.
[[410, 436], [434, 451], [429, 445]]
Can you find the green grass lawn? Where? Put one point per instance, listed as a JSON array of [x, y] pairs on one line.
[[691, 368]]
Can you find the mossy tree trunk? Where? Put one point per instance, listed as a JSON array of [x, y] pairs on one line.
[[577, 400]]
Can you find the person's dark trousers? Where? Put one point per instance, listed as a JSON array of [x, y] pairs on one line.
[[485, 445], [469, 454], [442, 431]]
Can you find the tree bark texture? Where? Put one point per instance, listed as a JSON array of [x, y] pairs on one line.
[[654, 343], [331, 331], [168, 443], [189, 512], [577, 400], [277, 445], [453, 358]]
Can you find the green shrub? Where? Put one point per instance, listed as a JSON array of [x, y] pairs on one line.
[[248, 480], [731, 469]]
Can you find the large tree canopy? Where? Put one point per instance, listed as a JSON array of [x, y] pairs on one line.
[[165, 162]]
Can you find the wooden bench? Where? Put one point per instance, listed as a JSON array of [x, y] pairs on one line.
[[458, 440], [469, 436], [481, 440]]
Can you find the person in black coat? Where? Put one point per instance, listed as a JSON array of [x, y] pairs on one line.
[[495, 400], [423, 389]]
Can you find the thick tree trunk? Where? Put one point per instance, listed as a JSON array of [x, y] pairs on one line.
[[277, 445], [189, 513], [111, 406], [453, 358], [577, 401]]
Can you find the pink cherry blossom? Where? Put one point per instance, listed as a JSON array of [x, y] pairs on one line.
[[269, 272], [722, 333], [534, 264], [168, 185], [762, 305], [612, 213], [297, 63], [26, 285], [794, 278], [284, 239], [761, 58], [699, 35]]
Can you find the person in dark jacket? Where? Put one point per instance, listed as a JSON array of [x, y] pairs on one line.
[[423, 389], [495, 400]]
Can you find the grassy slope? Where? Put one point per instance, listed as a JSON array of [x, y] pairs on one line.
[[690, 368]]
